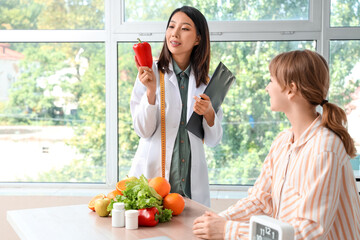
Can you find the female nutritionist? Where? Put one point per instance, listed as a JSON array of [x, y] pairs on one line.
[[184, 60]]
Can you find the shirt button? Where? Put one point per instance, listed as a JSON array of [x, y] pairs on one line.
[[182, 86], [183, 180], [183, 160], [182, 141], [182, 123]]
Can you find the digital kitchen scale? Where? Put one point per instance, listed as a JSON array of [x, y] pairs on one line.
[[267, 228]]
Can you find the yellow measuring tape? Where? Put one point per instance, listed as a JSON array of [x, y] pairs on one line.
[[162, 122]]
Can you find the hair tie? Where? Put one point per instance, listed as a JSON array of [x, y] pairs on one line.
[[324, 102]]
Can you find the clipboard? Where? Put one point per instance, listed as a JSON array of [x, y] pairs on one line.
[[216, 89]]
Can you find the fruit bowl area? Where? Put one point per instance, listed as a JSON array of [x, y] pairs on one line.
[[151, 197]]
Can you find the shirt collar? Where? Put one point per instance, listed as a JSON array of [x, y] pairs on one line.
[[178, 70], [307, 134]]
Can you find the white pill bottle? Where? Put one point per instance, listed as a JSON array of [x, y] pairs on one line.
[[118, 215], [131, 219]]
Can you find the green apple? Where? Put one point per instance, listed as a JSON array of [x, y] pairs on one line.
[[101, 207], [131, 178]]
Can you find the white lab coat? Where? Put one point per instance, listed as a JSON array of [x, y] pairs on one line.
[[146, 121]]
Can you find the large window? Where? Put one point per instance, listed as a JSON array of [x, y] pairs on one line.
[[52, 91], [52, 112], [249, 125], [67, 71], [345, 87], [345, 13], [223, 10], [51, 14]]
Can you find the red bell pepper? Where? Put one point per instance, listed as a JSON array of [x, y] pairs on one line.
[[143, 53], [148, 217]]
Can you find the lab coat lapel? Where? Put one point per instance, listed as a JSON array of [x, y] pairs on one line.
[[172, 76], [173, 80], [192, 91]]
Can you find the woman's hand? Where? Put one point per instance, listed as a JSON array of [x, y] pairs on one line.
[[209, 226], [202, 106], [148, 78]]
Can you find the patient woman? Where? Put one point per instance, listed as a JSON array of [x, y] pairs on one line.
[[307, 179]]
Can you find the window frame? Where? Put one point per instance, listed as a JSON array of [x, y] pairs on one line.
[[116, 31], [218, 27]]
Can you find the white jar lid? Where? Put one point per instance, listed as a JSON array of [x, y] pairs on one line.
[[131, 213], [119, 206]]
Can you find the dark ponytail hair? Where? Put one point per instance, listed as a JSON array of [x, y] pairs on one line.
[[309, 71], [200, 55]]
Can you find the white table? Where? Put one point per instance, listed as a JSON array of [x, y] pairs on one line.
[[79, 222]]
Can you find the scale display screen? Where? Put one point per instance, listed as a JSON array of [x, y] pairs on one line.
[[263, 232], [267, 228]]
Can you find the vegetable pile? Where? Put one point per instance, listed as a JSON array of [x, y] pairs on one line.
[[139, 195]]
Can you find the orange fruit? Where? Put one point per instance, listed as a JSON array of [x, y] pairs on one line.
[[91, 204], [174, 202], [121, 185], [161, 186], [113, 194]]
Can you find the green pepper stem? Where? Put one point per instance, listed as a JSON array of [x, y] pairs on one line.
[[139, 40]]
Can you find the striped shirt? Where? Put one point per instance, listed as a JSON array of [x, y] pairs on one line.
[[309, 184]]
